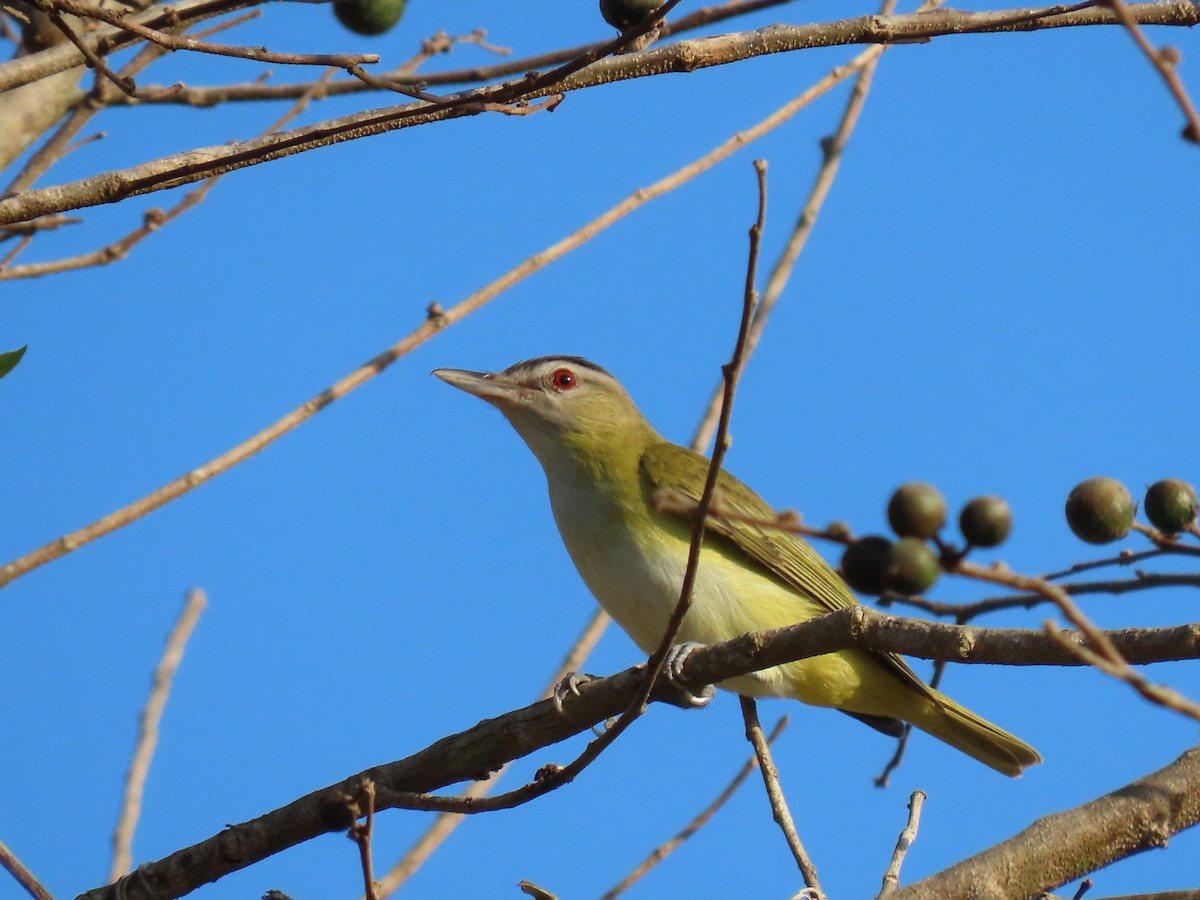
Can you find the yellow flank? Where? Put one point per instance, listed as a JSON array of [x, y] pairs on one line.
[[604, 463]]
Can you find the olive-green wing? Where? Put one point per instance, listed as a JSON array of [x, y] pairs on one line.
[[786, 556]]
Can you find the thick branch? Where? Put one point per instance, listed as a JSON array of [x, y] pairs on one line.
[[684, 56], [473, 753], [1060, 848]]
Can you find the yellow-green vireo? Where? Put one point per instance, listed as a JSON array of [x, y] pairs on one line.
[[604, 464]]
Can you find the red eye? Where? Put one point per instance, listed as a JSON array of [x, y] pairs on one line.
[[563, 379]]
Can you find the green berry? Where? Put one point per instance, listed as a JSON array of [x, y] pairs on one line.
[[1171, 505], [913, 567], [916, 510], [865, 562], [1100, 510], [369, 17], [985, 521]]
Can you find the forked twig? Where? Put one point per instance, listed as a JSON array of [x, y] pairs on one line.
[[891, 878]]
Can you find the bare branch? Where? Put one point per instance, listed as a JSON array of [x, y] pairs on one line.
[[210, 96], [473, 753], [445, 823], [782, 270], [779, 807], [1059, 848], [147, 739], [1165, 61], [891, 878], [684, 56], [25, 878], [152, 220], [435, 322]]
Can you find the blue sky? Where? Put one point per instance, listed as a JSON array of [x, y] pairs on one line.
[[999, 297]]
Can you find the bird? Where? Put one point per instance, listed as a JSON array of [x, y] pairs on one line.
[[605, 465]]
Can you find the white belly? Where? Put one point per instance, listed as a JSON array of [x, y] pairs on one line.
[[637, 579]]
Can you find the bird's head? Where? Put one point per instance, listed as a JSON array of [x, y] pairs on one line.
[[560, 405]]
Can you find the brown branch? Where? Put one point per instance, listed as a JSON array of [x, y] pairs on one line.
[[95, 61], [108, 39], [25, 878], [147, 739], [662, 851], [965, 612], [152, 220], [730, 373], [1123, 558], [445, 823], [891, 878], [434, 323], [1166, 62], [361, 833], [554, 776], [1098, 650], [782, 270], [779, 807], [59, 143], [1059, 848], [473, 753], [212, 95], [684, 56], [170, 41]]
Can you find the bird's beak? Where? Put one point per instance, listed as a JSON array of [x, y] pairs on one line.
[[492, 387]]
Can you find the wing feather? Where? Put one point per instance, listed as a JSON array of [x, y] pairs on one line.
[[785, 556]]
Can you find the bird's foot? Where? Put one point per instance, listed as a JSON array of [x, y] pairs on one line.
[[568, 686], [686, 698]]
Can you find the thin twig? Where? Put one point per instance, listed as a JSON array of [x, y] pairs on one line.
[[883, 779], [432, 325], [197, 164], [552, 777], [211, 95], [170, 41], [779, 807], [966, 612], [24, 877], [97, 63], [445, 823], [781, 272], [730, 373], [147, 739], [1101, 653], [1165, 61], [152, 220], [662, 851], [361, 833], [56, 146], [891, 878]]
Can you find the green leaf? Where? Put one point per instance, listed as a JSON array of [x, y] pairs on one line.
[[9, 360]]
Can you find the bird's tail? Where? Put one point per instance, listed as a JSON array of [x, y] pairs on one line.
[[974, 736]]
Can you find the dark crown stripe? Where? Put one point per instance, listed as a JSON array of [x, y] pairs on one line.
[[529, 365]]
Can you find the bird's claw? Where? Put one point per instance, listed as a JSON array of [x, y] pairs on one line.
[[686, 698], [568, 686]]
